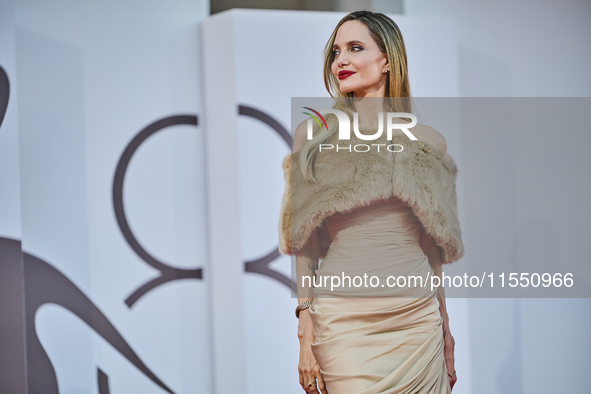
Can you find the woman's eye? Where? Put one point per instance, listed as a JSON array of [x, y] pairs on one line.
[[355, 48]]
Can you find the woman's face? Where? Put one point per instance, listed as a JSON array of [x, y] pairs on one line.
[[358, 63]]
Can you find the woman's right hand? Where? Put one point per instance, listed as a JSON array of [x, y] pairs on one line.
[[308, 367]]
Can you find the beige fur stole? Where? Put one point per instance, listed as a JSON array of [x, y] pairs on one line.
[[422, 176]]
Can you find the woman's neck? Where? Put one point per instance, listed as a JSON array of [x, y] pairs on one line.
[[369, 109]]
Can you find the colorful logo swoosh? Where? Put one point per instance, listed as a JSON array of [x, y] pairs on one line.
[[316, 118]]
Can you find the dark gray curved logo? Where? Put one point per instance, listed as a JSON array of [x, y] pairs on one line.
[[46, 285], [261, 266], [4, 93], [167, 273]]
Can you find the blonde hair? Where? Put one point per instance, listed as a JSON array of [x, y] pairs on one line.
[[386, 34]]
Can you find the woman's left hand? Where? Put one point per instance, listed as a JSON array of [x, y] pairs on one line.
[[448, 352]]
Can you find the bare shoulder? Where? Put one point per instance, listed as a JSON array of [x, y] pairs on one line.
[[300, 136], [431, 136]]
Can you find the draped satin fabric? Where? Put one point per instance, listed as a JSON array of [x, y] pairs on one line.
[[375, 339]]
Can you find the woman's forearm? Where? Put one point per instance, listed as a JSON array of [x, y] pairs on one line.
[[432, 251], [306, 265], [305, 269], [441, 297]]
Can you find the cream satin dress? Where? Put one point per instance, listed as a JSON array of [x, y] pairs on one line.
[[371, 340]]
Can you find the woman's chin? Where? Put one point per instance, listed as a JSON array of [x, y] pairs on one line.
[[345, 90]]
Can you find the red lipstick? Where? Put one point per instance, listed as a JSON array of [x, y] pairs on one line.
[[345, 73]]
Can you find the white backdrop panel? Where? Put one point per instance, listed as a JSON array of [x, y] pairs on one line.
[[92, 75]]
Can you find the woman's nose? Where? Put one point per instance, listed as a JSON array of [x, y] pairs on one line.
[[342, 59]]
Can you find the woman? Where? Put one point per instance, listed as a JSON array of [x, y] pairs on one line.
[[373, 212]]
